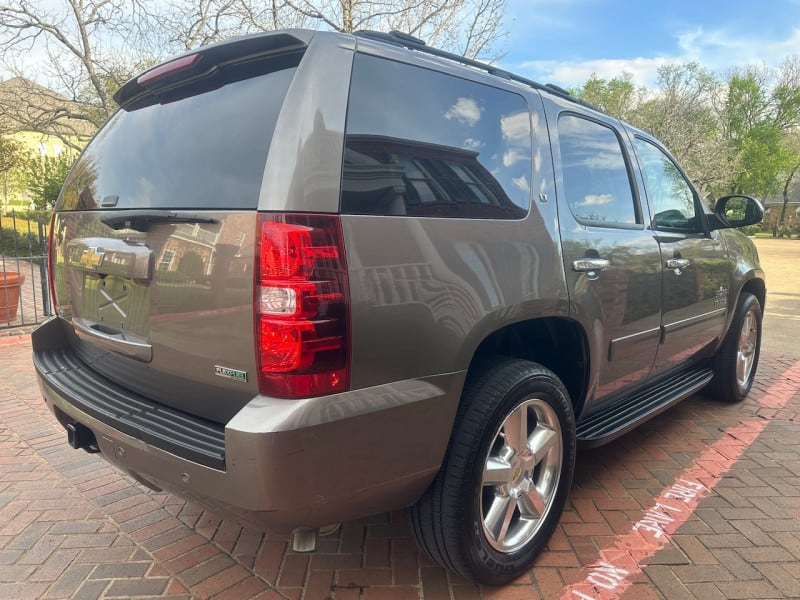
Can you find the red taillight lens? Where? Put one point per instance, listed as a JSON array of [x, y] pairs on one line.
[[301, 306], [51, 265], [162, 71]]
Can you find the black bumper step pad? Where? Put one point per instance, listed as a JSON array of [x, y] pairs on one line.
[[184, 435]]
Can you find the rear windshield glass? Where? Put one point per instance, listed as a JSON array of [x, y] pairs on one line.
[[204, 151]]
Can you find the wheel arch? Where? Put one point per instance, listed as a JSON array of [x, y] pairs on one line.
[[557, 343], [756, 286]]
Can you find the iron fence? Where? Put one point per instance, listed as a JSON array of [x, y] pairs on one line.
[[24, 291]]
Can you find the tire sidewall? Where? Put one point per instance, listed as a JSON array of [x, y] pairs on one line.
[[748, 302], [498, 566]]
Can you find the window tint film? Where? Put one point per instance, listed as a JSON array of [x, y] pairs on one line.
[[669, 193], [596, 182], [421, 143], [203, 151]]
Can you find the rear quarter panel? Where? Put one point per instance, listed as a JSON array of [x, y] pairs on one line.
[[426, 292]]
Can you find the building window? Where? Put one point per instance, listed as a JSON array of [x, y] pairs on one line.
[[167, 257]]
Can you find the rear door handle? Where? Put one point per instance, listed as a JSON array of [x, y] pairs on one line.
[[590, 266]]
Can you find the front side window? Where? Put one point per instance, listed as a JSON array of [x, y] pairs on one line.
[[597, 186], [669, 193], [422, 143]]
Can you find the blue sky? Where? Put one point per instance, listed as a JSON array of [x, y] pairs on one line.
[[564, 41]]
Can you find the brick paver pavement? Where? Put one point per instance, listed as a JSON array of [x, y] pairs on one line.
[[73, 527]]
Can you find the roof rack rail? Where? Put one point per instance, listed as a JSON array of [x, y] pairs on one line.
[[398, 38]]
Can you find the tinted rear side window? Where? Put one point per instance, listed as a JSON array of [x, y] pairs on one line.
[[203, 151], [422, 143]]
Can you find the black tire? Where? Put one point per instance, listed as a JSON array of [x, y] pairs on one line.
[[733, 375], [453, 520]]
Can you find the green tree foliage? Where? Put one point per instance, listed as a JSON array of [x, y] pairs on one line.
[[617, 96], [757, 117], [12, 158], [740, 134], [44, 177], [12, 154], [682, 115], [680, 112]]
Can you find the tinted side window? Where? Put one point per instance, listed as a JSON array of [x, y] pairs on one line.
[[669, 193], [422, 143], [596, 182]]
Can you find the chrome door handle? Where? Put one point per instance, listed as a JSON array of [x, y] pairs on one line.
[[590, 266], [126, 344], [678, 263]]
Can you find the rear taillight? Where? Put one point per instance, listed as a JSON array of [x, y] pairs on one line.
[[301, 306], [51, 264]]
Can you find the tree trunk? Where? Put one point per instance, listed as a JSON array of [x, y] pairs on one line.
[[786, 192], [347, 15]]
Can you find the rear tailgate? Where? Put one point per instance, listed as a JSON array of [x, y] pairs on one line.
[[153, 239]]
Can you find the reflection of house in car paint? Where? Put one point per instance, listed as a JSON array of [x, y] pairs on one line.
[[405, 177], [196, 249]]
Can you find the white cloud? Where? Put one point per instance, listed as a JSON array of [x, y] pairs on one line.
[[473, 144], [522, 183], [718, 50], [465, 110], [512, 157], [569, 74], [597, 200], [721, 49], [516, 127], [532, 15]]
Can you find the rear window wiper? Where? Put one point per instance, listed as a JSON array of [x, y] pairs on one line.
[[140, 220]]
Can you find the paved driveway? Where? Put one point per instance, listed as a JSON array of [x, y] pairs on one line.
[[701, 502]]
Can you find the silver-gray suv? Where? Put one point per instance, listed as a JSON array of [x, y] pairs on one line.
[[307, 277]]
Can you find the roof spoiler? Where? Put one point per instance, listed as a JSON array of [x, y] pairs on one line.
[[203, 63]]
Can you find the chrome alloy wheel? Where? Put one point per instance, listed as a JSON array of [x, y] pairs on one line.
[[521, 475], [746, 349]]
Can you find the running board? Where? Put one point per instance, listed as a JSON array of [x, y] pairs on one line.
[[620, 417]]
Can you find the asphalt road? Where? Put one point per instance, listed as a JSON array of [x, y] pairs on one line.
[[781, 262]]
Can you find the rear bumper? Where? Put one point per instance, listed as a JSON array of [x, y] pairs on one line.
[[287, 463]]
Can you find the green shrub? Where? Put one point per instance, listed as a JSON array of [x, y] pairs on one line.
[[14, 243], [751, 229]]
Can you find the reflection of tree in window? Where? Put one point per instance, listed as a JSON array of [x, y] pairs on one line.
[[670, 195]]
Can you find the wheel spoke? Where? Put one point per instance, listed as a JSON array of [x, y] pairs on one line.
[[499, 517], [531, 505], [516, 429], [541, 441], [496, 472], [520, 476], [745, 353], [740, 368]]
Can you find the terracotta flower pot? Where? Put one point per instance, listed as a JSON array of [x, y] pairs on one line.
[[10, 284]]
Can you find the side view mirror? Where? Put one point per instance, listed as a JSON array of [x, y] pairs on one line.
[[736, 211]]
